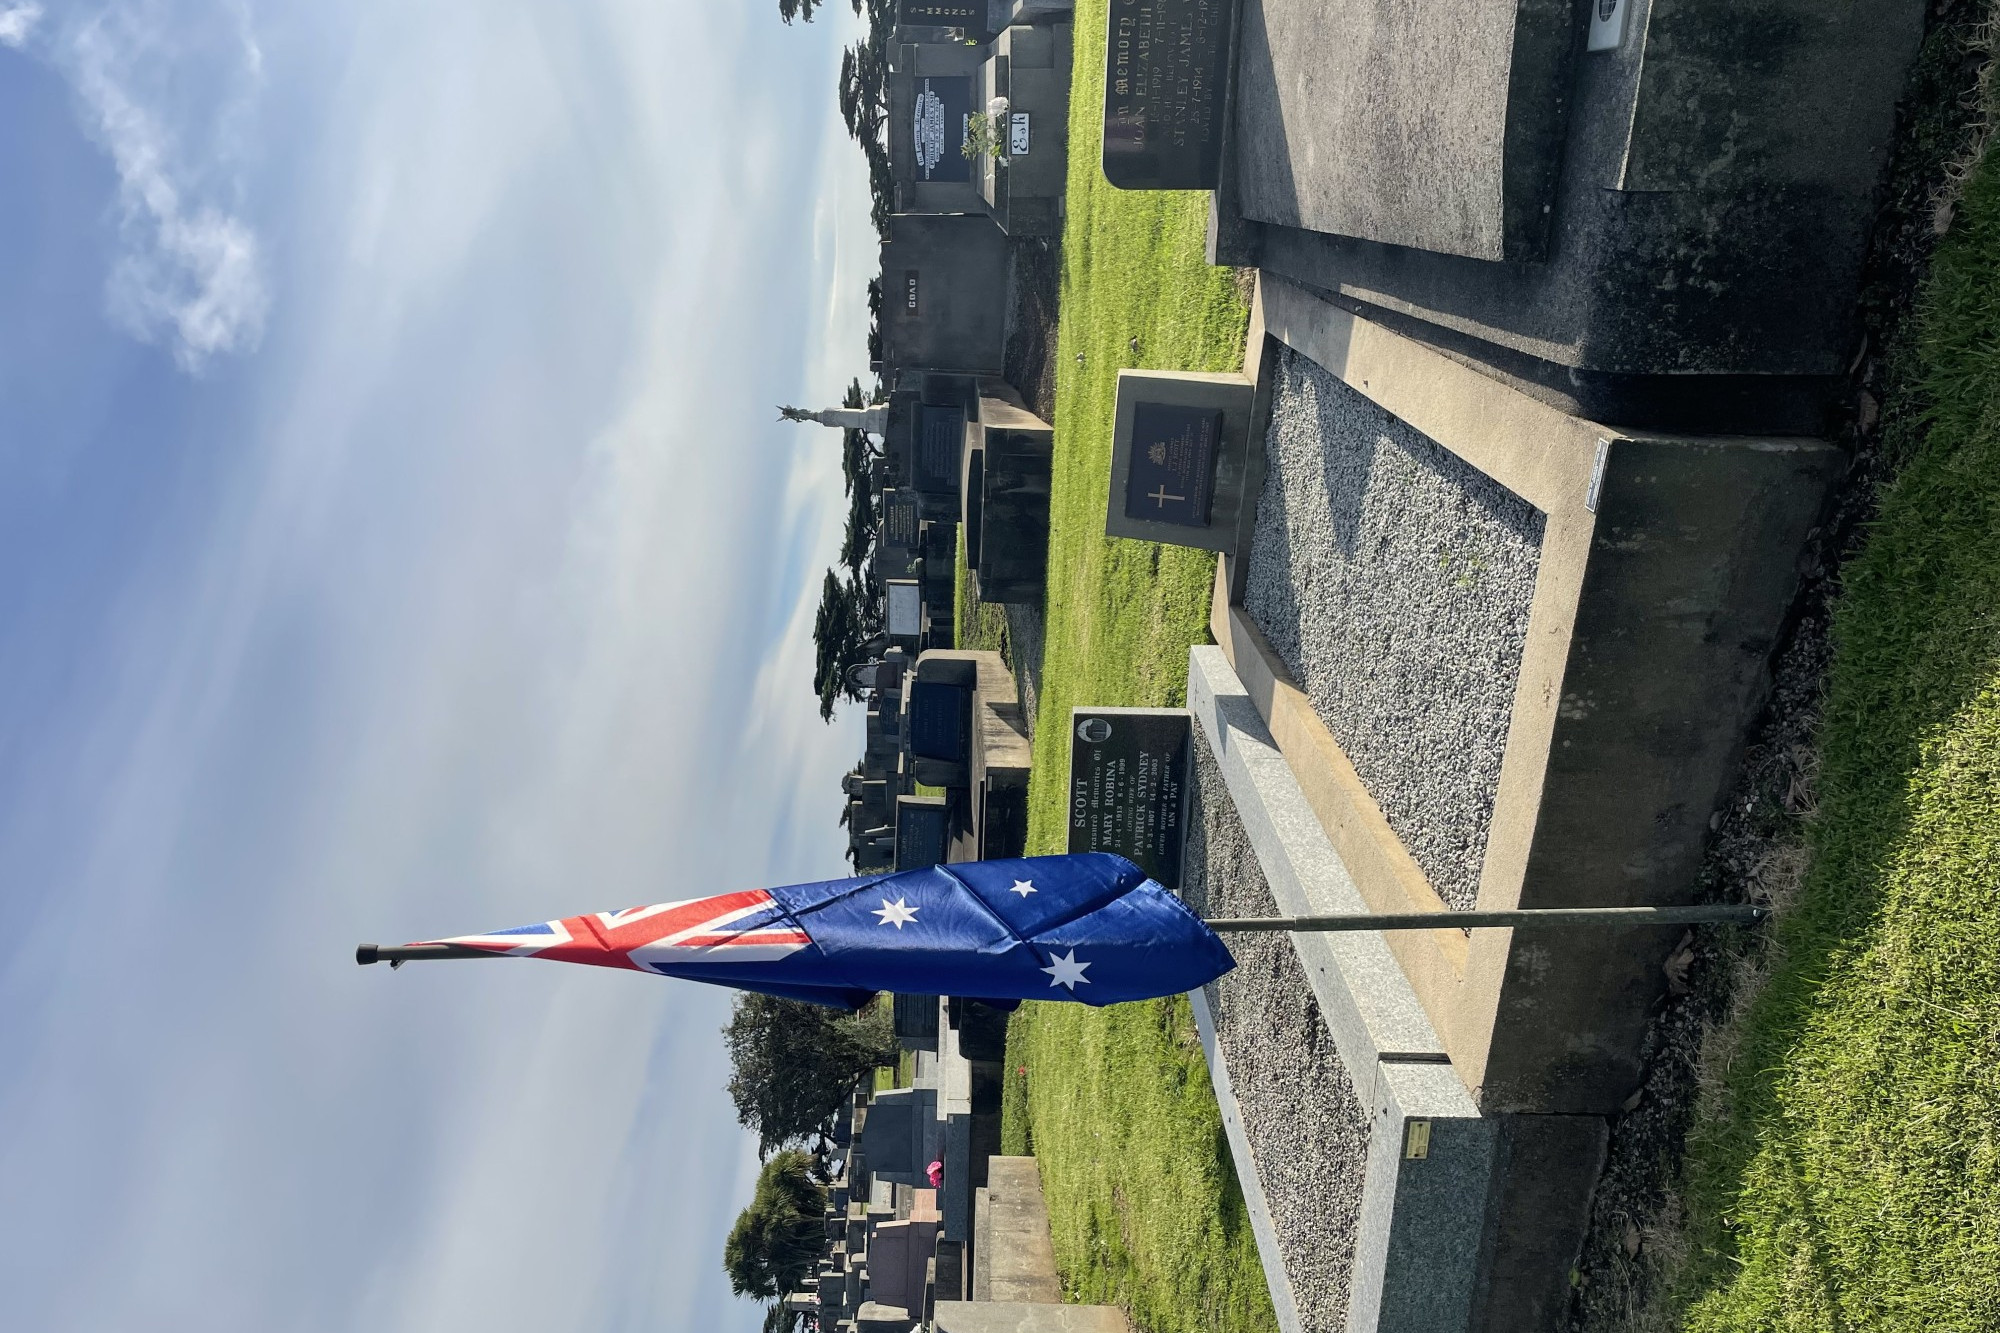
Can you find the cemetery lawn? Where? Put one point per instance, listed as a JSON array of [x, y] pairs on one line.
[[1116, 1103], [1847, 1170]]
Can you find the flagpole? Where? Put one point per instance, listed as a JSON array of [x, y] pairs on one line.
[[1703, 914], [395, 955], [1538, 916]]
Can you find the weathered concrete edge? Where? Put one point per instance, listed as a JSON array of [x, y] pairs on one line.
[[1276, 1277], [1368, 1003]]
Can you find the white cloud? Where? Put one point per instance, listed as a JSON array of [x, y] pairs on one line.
[[191, 273], [17, 21], [502, 611]]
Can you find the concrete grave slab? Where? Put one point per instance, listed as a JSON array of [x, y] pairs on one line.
[[1708, 181], [1435, 124], [1022, 1317], [1665, 567], [1013, 1258]]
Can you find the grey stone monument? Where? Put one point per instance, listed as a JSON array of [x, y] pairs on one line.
[[944, 293], [1653, 219]]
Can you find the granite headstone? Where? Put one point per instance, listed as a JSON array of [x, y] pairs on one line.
[[1166, 71], [1183, 470], [1128, 785], [923, 831]]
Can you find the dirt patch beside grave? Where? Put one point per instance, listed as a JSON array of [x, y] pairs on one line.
[[1034, 290]]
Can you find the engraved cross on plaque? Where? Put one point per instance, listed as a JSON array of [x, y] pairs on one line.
[[1162, 495]]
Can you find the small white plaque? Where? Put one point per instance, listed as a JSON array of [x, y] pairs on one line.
[[1417, 1140], [906, 610], [1017, 134], [1607, 24]]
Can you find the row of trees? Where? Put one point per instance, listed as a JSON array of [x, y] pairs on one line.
[[794, 1065], [850, 606], [864, 92]]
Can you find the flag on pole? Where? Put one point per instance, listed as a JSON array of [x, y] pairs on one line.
[[1088, 927]]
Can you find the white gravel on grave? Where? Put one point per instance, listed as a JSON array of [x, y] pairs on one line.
[[1307, 1129], [1394, 580]]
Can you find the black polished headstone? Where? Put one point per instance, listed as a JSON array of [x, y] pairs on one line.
[[1128, 784], [1172, 474], [940, 721], [1166, 70], [923, 831], [940, 438], [942, 106]]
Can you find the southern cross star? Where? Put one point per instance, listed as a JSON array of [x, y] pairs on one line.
[[1066, 971], [1024, 887], [896, 913]]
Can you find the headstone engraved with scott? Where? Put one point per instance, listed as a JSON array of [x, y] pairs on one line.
[[1128, 785], [1172, 476], [1166, 69]]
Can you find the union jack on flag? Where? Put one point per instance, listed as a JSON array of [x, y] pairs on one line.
[[1089, 927], [746, 927]]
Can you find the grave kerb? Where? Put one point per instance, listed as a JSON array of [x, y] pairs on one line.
[[1418, 1250], [1666, 566]]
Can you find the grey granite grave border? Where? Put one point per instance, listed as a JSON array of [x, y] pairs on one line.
[[1254, 1202], [1418, 1247]]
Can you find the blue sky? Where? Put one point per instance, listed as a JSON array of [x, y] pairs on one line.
[[396, 540]]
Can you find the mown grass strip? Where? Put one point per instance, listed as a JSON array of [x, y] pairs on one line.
[[1116, 1103], [1852, 1179]]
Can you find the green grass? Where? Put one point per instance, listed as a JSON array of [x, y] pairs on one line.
[[1850, 1177], [975, 624], [1115, 1103]]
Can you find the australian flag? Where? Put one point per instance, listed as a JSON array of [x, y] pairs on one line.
[[1090, 927]]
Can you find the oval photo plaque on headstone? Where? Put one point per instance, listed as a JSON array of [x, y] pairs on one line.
[[1166, 69]]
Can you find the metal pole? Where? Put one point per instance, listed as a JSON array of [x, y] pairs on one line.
[[395, 955], [1601, 916]]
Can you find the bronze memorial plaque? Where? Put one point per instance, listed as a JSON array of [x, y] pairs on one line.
[[1171, 478]]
